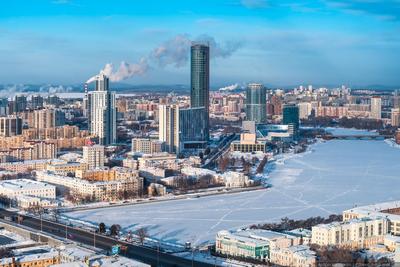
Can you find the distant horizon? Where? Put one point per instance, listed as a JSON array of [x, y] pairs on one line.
[[276, 42]]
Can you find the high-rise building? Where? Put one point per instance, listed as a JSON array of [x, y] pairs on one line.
[[256, 103], [10, 126], [291, 118], [395, 117], [85, 102], [4, 110], [182, 129], [376, 107], [94, 156], [305, 109], [200, 80], [36, 101], [20, 103], [102, 112], [48, 118], [53, 100]]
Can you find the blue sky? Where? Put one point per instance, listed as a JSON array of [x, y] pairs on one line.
[[277, 42]]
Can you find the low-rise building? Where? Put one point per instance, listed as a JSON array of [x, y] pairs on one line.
[[155, 189], [255, 244], [100, 191], [147, 145], [236, 179], [355, 233], [295, 256], [248, 143], [67, 167], [389, 210], [24, 187]]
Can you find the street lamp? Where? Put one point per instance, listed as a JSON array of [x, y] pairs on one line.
[[66, 229]]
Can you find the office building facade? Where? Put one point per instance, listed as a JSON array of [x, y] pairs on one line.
[[182, 129], [256, 103], [200, 80], [291, 118]]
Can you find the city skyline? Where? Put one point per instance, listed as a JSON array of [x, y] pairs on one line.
[[275, 43]]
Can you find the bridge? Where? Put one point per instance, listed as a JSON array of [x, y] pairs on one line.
[[355, 137]]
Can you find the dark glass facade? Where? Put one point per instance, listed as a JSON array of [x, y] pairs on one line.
[[200, 80], [256, 103], [291, 117]]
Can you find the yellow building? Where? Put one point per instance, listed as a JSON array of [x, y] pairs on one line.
[[355, 233]]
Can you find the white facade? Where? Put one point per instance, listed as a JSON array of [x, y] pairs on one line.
[[169, 127], [24, 187], [94, 156], [305, 109], [102, 112], [376, 107], [236, 179], [295, 256]]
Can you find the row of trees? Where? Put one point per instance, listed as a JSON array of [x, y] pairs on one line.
[[287, 224], [19, 175], [330, 255], [184, 182], [115, 230], [225, 162], [358, 123]]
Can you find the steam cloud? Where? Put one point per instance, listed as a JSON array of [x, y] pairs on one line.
[[174, 52], [229, 87]]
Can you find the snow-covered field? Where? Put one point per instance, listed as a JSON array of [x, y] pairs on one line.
[[334, 176]]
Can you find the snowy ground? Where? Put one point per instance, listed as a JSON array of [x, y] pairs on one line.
[[334, 176]]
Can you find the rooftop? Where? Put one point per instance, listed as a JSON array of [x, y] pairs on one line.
[[23, 184]]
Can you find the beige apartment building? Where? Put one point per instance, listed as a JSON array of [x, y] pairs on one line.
[[99, 191], [388, 210], [295, 256], [355, 233]]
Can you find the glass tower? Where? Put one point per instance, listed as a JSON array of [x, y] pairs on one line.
[[200, 80], [291, 118], [256, 103]]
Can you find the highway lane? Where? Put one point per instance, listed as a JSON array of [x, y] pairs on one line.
[[141, 253]]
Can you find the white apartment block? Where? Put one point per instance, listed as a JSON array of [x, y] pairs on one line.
[[355, 233], [101, 191], [376, 107], [94, 156], [25, 187]]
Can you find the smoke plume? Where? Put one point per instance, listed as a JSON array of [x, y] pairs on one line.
[[229, 87], [174, 52]]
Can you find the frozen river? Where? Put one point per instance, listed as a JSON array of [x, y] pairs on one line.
[[333, 176]]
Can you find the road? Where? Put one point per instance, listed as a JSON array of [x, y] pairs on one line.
[[147, 255], [222, 148]]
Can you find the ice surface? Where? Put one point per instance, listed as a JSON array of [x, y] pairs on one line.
[[335, 176]]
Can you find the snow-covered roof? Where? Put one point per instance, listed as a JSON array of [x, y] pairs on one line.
[[376, 210], [18, 184]]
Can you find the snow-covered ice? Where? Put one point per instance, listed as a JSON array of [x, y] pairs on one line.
[[334, 176]]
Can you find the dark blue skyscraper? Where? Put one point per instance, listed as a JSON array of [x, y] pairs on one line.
[[291, 118], [200, 80]]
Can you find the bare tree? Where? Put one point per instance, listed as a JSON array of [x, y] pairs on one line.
[[142, 234]]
